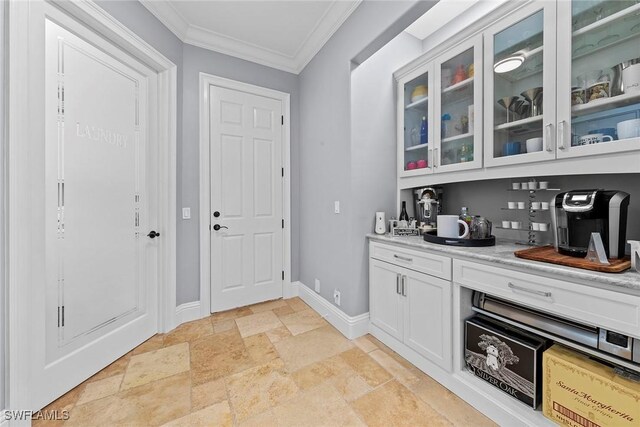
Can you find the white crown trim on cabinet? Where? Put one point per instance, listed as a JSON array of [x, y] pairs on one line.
[[205, 38], [350, 326]]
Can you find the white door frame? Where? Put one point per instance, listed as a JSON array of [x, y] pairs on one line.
[[207, 80], [19, 244]]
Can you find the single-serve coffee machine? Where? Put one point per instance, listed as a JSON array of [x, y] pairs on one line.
[[579, 213], [427, 204]]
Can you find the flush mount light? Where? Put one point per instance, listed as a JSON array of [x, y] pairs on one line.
[[509, 63]]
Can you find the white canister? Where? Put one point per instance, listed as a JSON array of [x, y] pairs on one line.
[[631, 79], [448, 227], [635, 254], [380, 223]]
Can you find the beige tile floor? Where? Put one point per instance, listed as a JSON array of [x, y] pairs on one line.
[[272, 364]]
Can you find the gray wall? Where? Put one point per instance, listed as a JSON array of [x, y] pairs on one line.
[[196, 60], [326, 244], [373, 153], [486, 198]]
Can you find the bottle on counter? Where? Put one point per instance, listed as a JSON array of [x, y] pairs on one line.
[[404, 216]]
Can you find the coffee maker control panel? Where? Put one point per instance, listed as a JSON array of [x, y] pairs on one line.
[[579, 200]]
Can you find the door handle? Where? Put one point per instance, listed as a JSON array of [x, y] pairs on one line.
[[435, 157], [218, 227], [153, 234], [398, 283], [430, 157], [404, 286], [531, 291], [549, 134], [561, 135]]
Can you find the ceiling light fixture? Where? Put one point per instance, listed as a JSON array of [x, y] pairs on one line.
[[509, 63]]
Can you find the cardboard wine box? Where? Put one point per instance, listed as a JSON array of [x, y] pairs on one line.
[[579, 391], [508, 358]]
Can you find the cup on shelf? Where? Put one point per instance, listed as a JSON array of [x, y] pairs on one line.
[[511, 205], [506, 224], [532, 185], [515, 186], [521, 205], [543, 185], [544, 206], [516, 224], [534, 144], [524, 185], [544, 226], [535, 206], [511, 148], [535, 226]]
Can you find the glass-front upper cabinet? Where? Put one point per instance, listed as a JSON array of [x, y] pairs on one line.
[[415, 110], [458, 114], [520, 86], [598, 77]]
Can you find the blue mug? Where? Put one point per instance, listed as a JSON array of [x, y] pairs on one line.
[[511, 148], [606, 131]]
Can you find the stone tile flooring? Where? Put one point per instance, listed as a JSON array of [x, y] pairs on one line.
[[276, 363]]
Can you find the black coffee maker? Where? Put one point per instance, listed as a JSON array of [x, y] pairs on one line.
[[579, 213]]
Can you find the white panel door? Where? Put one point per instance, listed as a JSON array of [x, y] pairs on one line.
[[246, 198], [385, 303], [100, 291], [427, 321]]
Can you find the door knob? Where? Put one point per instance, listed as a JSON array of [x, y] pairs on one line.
[[218, 227], [152, 234]]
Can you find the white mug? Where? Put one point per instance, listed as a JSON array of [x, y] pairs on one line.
[[448, 227], [631, 79], [594, 138]]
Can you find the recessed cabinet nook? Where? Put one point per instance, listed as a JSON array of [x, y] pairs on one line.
[[535, 88], [535, 91]]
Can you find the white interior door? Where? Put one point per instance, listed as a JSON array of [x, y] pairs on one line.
[[246, 198], [100, 289]]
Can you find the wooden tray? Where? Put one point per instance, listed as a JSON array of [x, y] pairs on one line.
[[549, 254]]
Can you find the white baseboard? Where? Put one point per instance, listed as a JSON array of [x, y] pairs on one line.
[[187, 312], [350, 326]]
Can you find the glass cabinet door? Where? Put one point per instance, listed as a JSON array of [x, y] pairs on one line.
[[598, 77], [415, 112], [458, 115], [520, 85]]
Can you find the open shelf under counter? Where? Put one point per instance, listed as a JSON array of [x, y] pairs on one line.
[[418, 103], [457, 137], [605, 104], [417, 147], [522, 123]]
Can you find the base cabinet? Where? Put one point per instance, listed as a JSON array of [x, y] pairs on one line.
[[414, 308]]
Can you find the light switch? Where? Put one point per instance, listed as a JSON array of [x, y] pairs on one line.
[[336, 207], [186, 213]]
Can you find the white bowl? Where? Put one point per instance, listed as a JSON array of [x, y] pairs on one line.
[[629, 129]]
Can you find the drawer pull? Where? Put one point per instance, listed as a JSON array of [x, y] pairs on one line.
[[401, 258], [531, 291], [398, 283]]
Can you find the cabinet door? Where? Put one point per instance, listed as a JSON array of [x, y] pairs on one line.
[[415, 130], [427, 321], [520, 85], [598, 77], [385, 305], [458, 114]]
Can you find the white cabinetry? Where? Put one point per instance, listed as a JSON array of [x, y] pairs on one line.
[[413, 307]]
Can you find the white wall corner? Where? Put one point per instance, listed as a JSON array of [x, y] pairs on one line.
[[350, 326], [187, 312], [291, 290]]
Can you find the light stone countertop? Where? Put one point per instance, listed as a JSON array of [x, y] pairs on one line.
[[502, 254]]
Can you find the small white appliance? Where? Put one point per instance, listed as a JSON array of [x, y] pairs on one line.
[[381, 224]]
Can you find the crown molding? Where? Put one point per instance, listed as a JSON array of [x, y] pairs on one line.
[[326, 26]]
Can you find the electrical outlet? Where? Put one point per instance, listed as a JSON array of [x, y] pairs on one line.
[[186, 213], [336, 297], [336, 207], [317, 285]]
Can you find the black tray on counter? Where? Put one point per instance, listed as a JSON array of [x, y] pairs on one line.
[[451, 241]]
